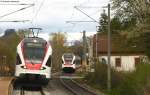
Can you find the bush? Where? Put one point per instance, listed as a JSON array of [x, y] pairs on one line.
[[123, 83], [99, 77]]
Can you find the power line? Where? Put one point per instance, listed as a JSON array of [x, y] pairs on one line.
[[38, 10], [78, 21], [5, 1], [16, 21], [88, 7], [85, 14], [16, 11], [16, 4]]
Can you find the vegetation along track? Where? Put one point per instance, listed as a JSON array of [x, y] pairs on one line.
[[76, 88]]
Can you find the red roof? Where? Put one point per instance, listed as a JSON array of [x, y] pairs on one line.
[[118, 45]]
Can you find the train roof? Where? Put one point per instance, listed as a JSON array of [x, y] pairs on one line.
[[33, 39]]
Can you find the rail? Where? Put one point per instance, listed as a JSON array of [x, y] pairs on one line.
[[24, 91], [75, 88]]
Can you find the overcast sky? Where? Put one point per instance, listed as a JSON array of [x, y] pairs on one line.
[[51, 15]]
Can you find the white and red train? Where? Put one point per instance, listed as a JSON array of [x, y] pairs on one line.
[[33, 61], [70, 62]]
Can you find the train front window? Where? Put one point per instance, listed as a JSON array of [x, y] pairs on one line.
[[68, 58], [34, 51], [68, 61]]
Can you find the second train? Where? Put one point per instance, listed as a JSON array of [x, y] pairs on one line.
[[70, 62]]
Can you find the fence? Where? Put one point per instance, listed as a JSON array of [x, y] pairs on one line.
[[4, 67]]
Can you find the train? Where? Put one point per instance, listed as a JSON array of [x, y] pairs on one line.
[[34, 60], [70, 63]]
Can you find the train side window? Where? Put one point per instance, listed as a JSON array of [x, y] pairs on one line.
[[18, 61], [49, 61]]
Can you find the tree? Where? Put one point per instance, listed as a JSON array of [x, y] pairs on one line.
[[134, 16], [57, 41], [128, 23], [58, 38], [103, 23], [77, 48], [8, 46], [9, 32], [115, 24], [23, 33], [139, 9]]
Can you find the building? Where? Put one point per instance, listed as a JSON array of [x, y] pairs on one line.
[[125, 55]]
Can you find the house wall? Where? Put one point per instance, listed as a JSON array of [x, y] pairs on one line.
[[127, 62]]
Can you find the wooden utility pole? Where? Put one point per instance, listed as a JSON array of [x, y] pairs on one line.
[[109, 53], [96, 45]]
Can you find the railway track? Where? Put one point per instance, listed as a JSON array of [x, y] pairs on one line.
[[24, 91], [55, 87], [21, 91], [75, 88]]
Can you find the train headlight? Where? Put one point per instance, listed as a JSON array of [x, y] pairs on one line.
[[43, 68], [34, 41], [24, 67]]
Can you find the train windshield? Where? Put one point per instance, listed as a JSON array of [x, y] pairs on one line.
[[68, 57], [34, 51]]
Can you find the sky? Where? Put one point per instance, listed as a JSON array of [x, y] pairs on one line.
[[52, 15]]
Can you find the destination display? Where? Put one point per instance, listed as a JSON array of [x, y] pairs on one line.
[[34, 44]]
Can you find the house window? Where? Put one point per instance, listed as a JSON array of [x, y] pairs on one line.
[[137, 61], [118, 62]]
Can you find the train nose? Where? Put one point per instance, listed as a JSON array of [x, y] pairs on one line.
[[33, 66]]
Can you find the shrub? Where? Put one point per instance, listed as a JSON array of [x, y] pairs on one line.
[[123, 83]]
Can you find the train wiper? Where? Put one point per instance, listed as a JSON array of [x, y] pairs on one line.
[[31, 60]]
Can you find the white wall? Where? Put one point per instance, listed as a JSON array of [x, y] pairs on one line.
[[127, 62]]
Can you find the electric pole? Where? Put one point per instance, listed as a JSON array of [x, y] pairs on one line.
[[84, 50], [109, 53], [90, 53]]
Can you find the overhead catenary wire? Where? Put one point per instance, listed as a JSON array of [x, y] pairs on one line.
[[88, 7], [81, 21], [85, 5], [86, 14], [17, 4], [7, 1], [16, 21], [42, 3], [16, 11], [78, 21], [77, 6]]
